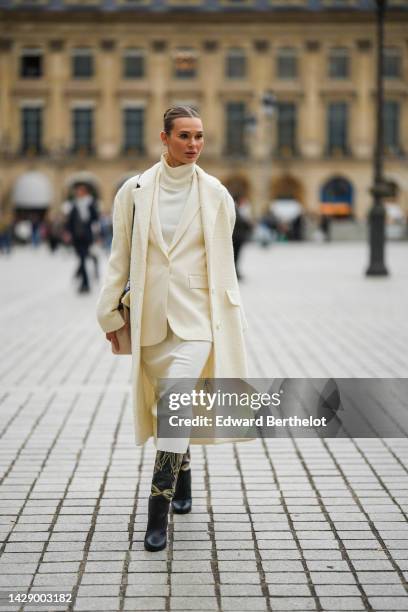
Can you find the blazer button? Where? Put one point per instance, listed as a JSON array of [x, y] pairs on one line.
[[218, 325]]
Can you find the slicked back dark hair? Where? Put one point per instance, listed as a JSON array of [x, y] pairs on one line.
[[177, 112]]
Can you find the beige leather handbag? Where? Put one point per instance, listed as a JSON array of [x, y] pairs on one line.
[[123, 334]]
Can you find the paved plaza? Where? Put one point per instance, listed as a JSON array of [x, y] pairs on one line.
[[277, 524]]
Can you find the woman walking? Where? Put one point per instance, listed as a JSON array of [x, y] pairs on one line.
[[172, 229]]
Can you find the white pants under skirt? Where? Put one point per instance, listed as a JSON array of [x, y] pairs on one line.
[[174, 358]]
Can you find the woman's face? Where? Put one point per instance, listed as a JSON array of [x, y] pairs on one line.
[[185, 142]]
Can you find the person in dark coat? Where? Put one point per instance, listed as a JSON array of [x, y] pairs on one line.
[[242, 229], [82, 214]]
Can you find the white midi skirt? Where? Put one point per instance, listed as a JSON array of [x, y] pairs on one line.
[[174, 358]]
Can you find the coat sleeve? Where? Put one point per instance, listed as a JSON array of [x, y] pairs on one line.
[[117, 273], [230, 207]]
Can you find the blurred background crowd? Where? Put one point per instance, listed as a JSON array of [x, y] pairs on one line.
[[286, 89]]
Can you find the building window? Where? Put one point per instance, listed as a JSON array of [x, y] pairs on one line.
[[286, 128], [235, 128], [185, 63], [82, 64], [31, 64], [236, 64], [133, 129], [391, 127], [392, 63], [286, 63], [337, 128], [339, 63], [82, 127], [134, 64], [31, 130]]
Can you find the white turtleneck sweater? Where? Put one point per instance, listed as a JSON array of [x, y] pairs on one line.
[[174, 189]]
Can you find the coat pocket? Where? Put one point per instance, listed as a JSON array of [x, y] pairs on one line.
[[235, 299], [198, 281]]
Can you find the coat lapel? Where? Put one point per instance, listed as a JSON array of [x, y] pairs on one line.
[[210, 196], [143, 202]]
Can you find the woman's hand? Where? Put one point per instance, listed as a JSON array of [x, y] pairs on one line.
[[111, 336]]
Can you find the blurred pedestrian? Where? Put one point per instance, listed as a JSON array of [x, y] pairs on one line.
[[6, 230], [82, 213], [53, 229], [325, 227], [242, 229]]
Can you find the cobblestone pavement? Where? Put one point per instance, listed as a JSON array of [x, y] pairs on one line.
[[288, 524]]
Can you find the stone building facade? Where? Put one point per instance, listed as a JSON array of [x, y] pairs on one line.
[[286, 90]]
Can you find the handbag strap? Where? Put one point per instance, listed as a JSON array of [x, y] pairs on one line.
[[127, 288]]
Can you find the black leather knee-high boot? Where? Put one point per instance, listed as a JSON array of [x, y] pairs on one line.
[[182, 500], [166, 468]]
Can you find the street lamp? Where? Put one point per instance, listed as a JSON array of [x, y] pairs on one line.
[[379, 190]]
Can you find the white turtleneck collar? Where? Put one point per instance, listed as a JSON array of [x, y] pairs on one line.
[[176, 178]]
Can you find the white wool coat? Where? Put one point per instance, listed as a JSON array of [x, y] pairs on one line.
[[128, 260]]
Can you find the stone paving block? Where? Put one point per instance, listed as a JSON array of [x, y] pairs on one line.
[[148, 590], [99, 590], [193, 603], [239, 578], [55, 580], [332, 578], [238, 590], [390, 590], [57, 568], [292, 603], [244, 603], [389, 603], [194, 578], [285, 577], [199, 555], [282, 566], [146, 566], [104, 566], [275, 555], [289, 590], [147, 579], [236, 566], [105, 578], [342, 603], [192, 590], [145, 603], [17, 568], [378, 577], [9, 580], [96, 603], [336, 590], [197, 566], [324, 566]]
